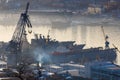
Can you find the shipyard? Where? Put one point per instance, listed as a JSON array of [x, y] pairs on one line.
[[59, 40]]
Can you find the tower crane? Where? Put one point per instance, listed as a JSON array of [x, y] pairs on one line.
[[15, 44]]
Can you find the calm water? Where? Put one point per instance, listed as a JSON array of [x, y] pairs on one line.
[[65, 27]]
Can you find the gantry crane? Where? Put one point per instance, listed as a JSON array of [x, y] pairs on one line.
[[15, 44]]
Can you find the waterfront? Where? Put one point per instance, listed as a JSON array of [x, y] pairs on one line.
[[73, 27]]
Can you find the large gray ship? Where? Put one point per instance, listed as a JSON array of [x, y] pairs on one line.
[[53, 51]]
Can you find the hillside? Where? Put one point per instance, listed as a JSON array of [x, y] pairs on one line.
[[55, 4]]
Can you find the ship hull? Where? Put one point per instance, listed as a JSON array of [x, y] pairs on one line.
[[82, 56]]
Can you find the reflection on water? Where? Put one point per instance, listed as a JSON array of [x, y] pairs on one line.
[[63, 28]]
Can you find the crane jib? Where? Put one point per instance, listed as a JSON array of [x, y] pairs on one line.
[[20, 30], [26, 11]]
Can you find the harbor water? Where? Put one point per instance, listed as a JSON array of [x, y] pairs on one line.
[[65, 27]]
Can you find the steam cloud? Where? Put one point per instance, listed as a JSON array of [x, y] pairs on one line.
[[41, 56]]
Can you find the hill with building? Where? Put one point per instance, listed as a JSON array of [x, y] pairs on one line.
[[57, 4]]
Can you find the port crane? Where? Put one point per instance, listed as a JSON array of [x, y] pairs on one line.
[[106, 38], [106, 42], [15, 45]]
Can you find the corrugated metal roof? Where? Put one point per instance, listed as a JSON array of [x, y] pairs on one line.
[[111, 69], [73, 65]]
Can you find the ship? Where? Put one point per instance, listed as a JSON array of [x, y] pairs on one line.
[[49, 44], [53, 51]]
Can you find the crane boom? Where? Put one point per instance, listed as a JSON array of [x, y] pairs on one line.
[[15, 45], [16, 41], [21, 25], [116, 48], [103, 33], [26, 11]]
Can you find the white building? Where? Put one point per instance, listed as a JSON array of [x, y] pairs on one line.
[[94, 9]]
